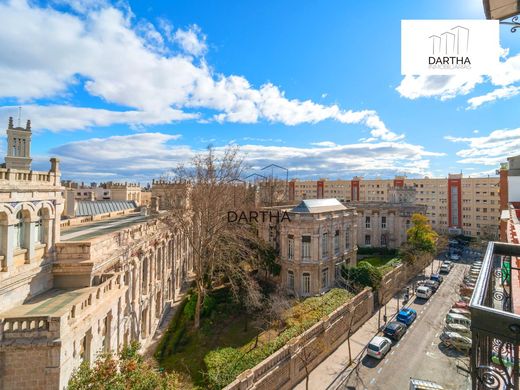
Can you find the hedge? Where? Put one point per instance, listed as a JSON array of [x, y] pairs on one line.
[[225, 364], [368, 250]]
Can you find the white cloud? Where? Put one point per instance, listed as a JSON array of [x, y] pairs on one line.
[[499, 93], [442, 87], [153, 154], [327, 144], [489, 150], [61, 117], [130, 64], [448, 87], [192, 41]]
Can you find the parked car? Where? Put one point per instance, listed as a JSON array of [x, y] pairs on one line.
[[378, 347], [466, 291], [464, 312], [452, 318], [437, 278], [456, 340], [423, 292], [445, 269], [431, 284], [448, 263], [461, 305], [454, 257], [458, 328], [406, 316], [394, 330]]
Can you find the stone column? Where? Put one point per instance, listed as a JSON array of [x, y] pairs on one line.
[[7, 245], [29, 238]]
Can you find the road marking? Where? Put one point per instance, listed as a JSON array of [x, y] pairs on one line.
[[373, 381], [386, 361], [391, 353], [437, 335], [397, 345], [379, 371]]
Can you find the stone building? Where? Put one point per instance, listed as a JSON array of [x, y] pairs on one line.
[[317, 239], [71, 290], [384, 224]]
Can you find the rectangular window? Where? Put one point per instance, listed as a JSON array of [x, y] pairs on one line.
[[383, 240], [336, 242], [383, 222], [306, 284], [290, 280], [324, 244], [325, 278], [347, 239], [306, 247], [290, 247], [367, 239], [367, 222]]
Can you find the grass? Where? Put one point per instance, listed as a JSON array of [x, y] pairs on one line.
[[385, 263], [223, 327]]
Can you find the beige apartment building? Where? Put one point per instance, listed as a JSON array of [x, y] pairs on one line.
[[456, 204]]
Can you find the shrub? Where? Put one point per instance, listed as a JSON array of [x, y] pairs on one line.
[[363, 275], [225, 364]]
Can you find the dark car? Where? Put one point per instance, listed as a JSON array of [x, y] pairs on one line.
[[438, 278], [394, 330], [406, 316]]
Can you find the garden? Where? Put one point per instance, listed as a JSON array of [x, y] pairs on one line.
[[230, 339]]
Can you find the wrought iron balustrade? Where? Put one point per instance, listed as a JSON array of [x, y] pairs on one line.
[[495, 352]]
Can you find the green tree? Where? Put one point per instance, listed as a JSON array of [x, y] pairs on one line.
[[362, 275], [127, 370], [421, 239]]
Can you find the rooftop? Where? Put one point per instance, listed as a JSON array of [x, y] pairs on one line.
[[92, 230], [54, 302], [95, 207], [318, 206]]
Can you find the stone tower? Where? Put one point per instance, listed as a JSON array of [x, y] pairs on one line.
[[18, 146]]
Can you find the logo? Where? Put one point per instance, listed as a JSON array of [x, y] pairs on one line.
[[449, 47], [258, 216]]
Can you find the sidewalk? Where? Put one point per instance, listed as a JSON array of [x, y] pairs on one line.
[[330, 372]]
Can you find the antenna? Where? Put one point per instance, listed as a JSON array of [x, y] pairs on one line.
[[19, 116]]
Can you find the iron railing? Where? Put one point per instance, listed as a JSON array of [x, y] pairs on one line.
[[495, 352]]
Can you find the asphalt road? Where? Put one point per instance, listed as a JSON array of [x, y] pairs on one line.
[[419, 353]]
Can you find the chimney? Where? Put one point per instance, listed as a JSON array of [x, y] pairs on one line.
[[55, 164]]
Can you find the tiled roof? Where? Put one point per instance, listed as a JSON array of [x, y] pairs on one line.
[[95, 207], [318, 206]]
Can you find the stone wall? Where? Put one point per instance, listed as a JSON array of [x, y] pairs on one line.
[[398, 278], [286, 368]]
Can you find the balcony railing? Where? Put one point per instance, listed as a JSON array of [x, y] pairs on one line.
[[495, 327]]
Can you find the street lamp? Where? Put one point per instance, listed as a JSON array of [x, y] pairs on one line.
[[503, 9]]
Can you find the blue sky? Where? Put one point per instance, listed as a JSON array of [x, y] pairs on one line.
[[127, 90]]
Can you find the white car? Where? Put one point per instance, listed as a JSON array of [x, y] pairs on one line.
[[378, 347], [423, 292]]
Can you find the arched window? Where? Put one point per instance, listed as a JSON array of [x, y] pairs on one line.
[[19, 230], [38, 227]]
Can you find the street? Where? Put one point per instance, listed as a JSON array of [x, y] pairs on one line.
[[419, 353]]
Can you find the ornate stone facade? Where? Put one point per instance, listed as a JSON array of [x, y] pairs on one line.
[[319, 237], [67, 295]]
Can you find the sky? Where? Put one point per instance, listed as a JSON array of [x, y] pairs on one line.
[[127, 90]]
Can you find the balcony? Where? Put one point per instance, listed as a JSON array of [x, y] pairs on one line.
[[495, 320]]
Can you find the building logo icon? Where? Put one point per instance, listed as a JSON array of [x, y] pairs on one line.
[[449, 47]]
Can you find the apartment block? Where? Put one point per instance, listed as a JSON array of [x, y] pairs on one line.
[[456, 204]]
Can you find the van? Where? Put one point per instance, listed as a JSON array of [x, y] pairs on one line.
[[452, 318], [423, 292]]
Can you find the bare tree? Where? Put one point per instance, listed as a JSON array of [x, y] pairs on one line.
[[307, 354], [198, 203]]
